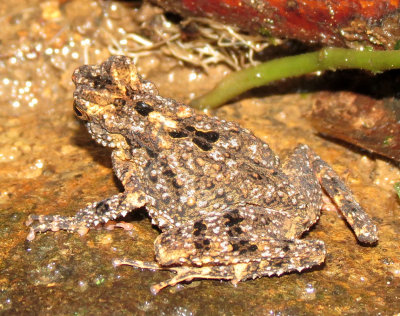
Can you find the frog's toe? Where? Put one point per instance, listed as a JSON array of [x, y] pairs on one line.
[[187, 274], [41, 223], [137, 264], [32, 234], [368, 234], [180, 277]]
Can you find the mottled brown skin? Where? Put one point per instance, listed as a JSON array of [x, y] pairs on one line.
[[225, 205]]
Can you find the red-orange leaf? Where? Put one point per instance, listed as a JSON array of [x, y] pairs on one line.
[[340, 22]]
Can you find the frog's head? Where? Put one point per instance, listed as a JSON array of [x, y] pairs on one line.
[[121, 109]]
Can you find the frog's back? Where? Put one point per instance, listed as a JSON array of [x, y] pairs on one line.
[[211, 166]]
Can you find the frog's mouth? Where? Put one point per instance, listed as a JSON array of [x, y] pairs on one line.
[[105, 138]]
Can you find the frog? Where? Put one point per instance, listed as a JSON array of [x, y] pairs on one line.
[[227, 208]]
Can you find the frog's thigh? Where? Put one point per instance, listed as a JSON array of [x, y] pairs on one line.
[[268, 258], [261, 257], [235, 230], [209, 246], [337, 190]]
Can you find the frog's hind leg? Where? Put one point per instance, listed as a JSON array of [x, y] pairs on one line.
[[271, 258], [90, 216], [237, 244], [302, 158]]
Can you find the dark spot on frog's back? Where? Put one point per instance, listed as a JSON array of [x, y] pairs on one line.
[[169, 173], [235, 247], [206, 242], [253, 248], [178, 134], [233, 218], [143, 108], [202, 144], [151, 153], [211, 137], [199, 226], [238, 230]]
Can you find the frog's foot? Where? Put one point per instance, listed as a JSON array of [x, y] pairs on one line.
[[90, 216], [42, 223], [183, 273], [363, 227]]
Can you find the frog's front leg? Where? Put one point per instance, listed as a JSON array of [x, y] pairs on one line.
[[90, 216], [308, 169]]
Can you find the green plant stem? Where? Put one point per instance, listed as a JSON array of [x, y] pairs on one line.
[[326, 59], [397, 188]]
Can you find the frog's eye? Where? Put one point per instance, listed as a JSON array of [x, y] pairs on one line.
[[80, 113]]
